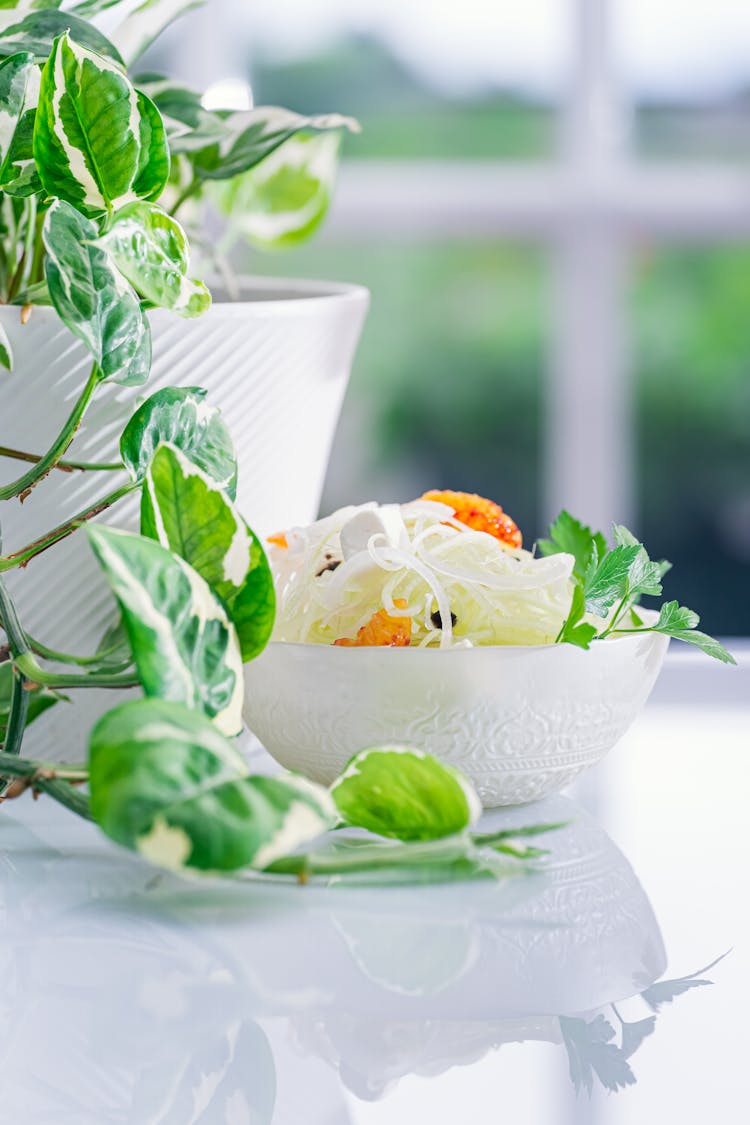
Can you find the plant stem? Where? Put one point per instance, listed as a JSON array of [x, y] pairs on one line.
[[17, 715], [65, 794], [19, 706], [192, 189], [17, 639], [376, 857], [50, 778], [33, 671], [25, 767], [53, 654], [47, 462], [63, 466], [26, 554], [617, 615]]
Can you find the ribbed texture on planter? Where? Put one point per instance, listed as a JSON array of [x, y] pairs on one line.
[[277, 364]]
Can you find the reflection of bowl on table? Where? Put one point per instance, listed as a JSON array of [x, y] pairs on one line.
[[521, 722], [159, 982]]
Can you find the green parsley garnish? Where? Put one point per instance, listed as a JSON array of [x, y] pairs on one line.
[[609, 583]]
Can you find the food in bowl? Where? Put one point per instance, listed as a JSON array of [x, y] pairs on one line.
[[429, 624], [449, 570]]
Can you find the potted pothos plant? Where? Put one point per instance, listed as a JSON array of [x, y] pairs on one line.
[[105, 174], [96, 167], [163, 775]]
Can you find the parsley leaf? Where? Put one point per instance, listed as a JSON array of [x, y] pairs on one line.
[[679, 622], [645, 576], [575, 631], [608, 581], [571, 537]]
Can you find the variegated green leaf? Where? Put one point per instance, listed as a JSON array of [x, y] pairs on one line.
[[146, 23], [166, 784], [191, 515], [98, 144], [89, 8], [151, 250], [6, 351], [12, 11], [182, 417], [184, 645], [189, 126], [153, 161], [285, 198], [253, 135], [93, 299], [406, 794], [19, 84], [37, 32]]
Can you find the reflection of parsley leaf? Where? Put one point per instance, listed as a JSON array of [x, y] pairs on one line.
[[677, 621], [590, 1053], [664, 991], [571, 537], [575, 631], [633, 1034]]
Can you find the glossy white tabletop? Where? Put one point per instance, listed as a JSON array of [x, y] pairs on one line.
[[133, 998]]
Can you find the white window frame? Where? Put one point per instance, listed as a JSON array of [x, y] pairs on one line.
[[588, 206]]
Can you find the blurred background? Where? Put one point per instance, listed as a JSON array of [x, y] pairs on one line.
[[550, 203]]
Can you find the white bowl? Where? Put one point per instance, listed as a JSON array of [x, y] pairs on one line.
[[520, 722]]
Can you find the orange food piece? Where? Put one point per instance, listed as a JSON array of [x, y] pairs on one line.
[[479, 514], [279, 539], [382, 629]]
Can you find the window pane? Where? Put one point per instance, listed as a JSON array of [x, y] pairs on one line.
[[687, 67], [428, 78], [446, 390], [692, 356]]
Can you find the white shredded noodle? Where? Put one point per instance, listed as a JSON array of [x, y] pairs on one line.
[[431, 565]]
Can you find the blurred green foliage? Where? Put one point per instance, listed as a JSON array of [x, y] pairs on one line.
[[448, 386]]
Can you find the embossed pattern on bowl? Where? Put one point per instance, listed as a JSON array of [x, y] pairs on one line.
[[521, 722]]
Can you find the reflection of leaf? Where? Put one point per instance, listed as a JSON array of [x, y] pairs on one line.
[[590, 1054], [406, 955], [221, 1072], [664, 992], [633, 1034]]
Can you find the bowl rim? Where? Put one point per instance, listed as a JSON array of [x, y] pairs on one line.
[[649, 615]]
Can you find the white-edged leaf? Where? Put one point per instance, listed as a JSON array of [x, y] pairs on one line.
[[19, 91], [189, 126], [184, 645], [254, 134], [167, 784], [37, 31], [6, 350], [151, 250], [285, 198], [98, 144], [153, 162], [181, 416], [146, 23], [88, 8], [93, 299], [405, 794], [188, 512]]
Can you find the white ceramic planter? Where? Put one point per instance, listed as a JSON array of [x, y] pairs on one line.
[[277, 364]]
